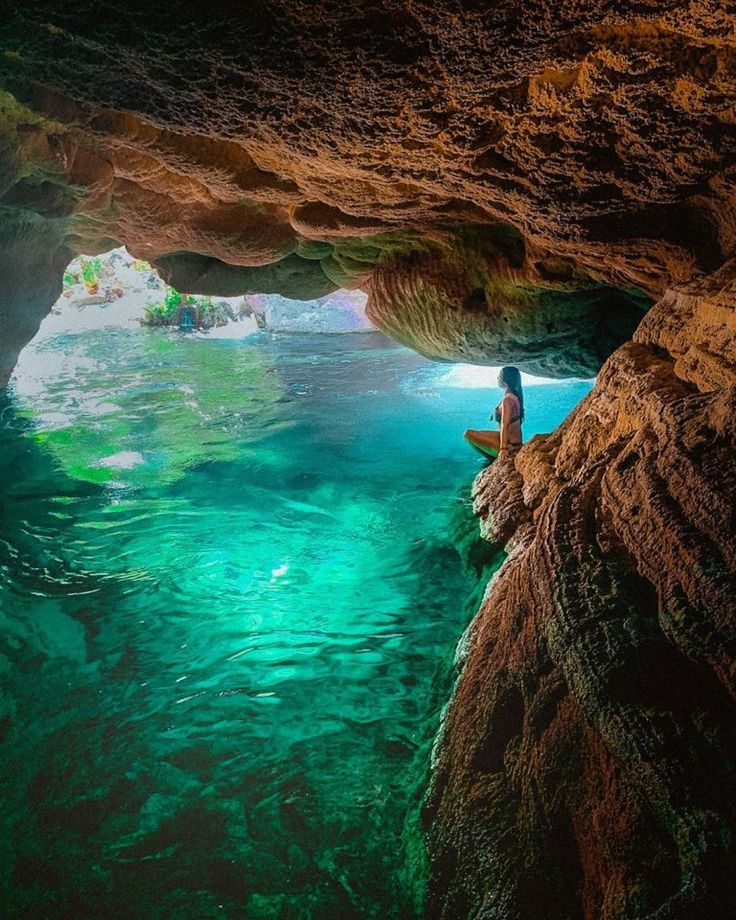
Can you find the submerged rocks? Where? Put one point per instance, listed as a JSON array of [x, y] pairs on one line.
[[587, 761]]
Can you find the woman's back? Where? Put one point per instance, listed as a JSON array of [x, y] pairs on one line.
[[511, 406]]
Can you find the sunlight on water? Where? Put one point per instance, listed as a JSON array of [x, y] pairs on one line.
[[229, 599]]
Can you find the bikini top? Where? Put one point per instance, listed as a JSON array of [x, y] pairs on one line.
[[516, 417]]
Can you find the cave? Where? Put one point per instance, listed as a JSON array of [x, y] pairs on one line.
[[507, 183]]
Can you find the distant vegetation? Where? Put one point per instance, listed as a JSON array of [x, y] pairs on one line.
[[106, 278], [89, 272], [167, 312], [91, 269]]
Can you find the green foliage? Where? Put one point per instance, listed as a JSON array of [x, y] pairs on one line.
[[156, 314], [172, 299], [212, 314], [70, 279], [91, 268], [165, 312], [162, 312]]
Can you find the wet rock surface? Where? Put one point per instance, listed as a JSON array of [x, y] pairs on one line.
[[587, 760]]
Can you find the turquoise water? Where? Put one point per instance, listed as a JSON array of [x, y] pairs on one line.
[[229, 599]]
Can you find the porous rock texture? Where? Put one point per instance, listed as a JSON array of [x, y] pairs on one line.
[[509, 181], [296, 146], [587, 765]]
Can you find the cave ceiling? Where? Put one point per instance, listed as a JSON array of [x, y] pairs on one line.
[[507, 181]]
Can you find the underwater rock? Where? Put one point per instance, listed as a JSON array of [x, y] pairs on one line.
[[587, 759]]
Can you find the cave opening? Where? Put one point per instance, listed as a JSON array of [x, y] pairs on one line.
[[232, 532]]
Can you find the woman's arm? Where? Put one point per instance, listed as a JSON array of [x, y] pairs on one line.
[[508, 408], [506, 414]]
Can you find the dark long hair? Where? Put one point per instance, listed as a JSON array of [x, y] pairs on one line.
[[511, 378]]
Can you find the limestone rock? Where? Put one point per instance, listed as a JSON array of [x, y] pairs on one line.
[[353, 133], [509, 181], [587, 761], [34, 256], [291, 277], [483, 298]]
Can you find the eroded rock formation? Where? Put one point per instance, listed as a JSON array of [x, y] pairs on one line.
[[297, 147], [508, 181], [588, 758], [485, 295]]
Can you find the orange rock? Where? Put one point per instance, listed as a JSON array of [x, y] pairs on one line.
[[603, 133], [509, 181], [586, 761]]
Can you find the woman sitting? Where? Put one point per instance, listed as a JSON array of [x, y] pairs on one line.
[[509, 414]]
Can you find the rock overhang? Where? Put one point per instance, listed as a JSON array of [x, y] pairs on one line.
[[507, 182]]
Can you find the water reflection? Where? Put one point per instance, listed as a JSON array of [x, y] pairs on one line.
[[229, 587]]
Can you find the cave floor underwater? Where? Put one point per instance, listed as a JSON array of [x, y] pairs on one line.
[[230, 600]]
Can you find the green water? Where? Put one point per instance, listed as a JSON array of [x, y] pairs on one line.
[[229, 599]]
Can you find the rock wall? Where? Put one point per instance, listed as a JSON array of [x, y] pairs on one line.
[[587, 762], [32, 262], [485, 297]]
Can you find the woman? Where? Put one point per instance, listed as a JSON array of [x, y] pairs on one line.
[[509, 414]]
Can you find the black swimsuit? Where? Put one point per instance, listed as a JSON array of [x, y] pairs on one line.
[[497, 415], [516, 418]]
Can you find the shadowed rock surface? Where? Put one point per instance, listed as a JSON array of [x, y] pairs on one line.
[[588, 757], [508, 182], [486, 300]]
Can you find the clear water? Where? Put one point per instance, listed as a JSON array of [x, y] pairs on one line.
[[229, 596]]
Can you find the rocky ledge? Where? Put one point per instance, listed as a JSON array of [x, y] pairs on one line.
[[587, 762]]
